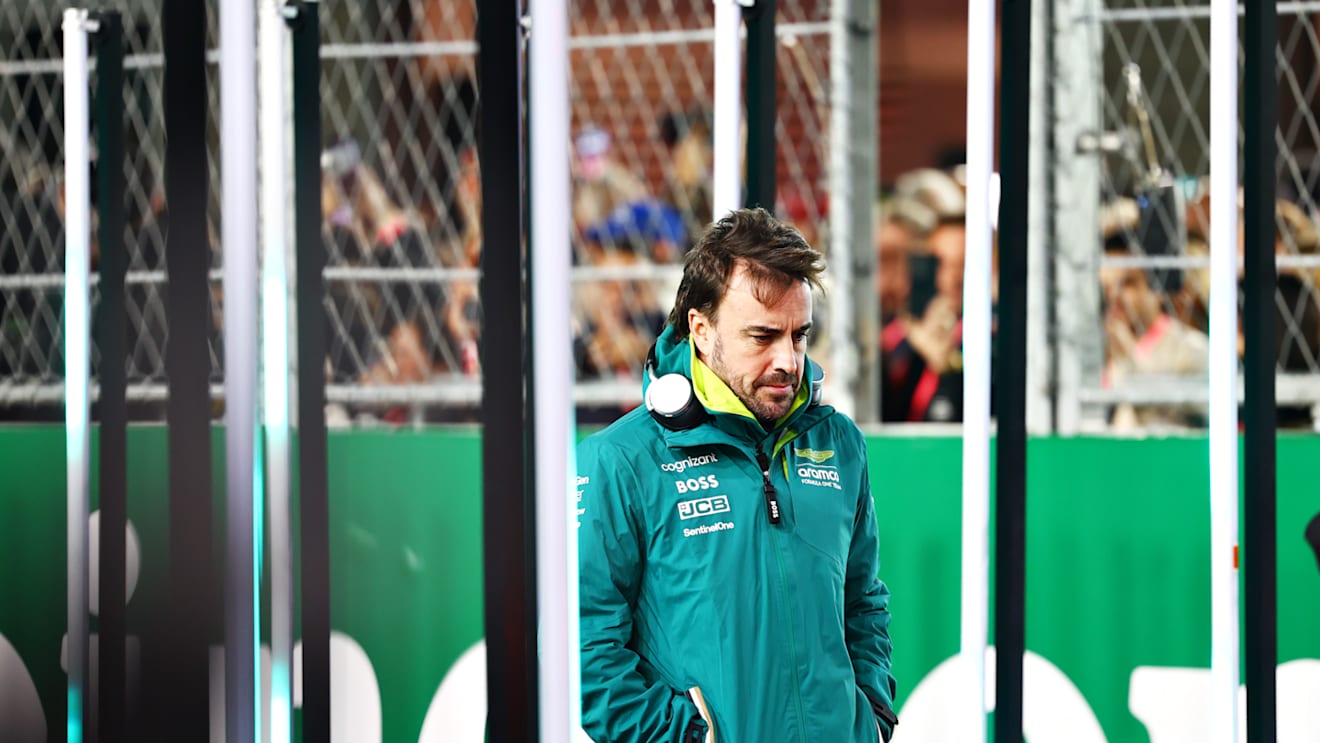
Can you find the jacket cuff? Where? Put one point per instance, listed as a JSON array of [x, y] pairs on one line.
[[888, 720], [695, 732]]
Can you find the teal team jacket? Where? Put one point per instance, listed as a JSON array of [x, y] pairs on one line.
[[686, 584]]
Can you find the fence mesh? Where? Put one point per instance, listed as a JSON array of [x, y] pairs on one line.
[[401, 190], [1152, 152], [402, 207]]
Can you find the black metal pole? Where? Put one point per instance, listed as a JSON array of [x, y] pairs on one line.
[[111, 325], [1011, 374], [1260, 117], [508, 507], [313, 485], [181, 695], [760, 96]]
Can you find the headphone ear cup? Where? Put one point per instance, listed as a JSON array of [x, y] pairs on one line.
[[673, 404]]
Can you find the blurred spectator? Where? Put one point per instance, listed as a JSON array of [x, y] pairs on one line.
[[806, 211], [1297, 340], [601, 184], [462, 312], [419, 153], [1142, 338], [687, 137], [921, 303], [895, 239], [1297, 324], [618, 319], [654, 226], [399, 337], [32, 243], [145, 302]]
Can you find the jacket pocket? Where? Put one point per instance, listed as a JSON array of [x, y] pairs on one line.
[[703, 709]]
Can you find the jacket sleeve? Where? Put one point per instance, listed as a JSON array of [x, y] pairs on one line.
[[867, 612], [620, 701]]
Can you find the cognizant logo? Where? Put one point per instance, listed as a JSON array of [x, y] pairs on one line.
[[684, 464], [708, 528]]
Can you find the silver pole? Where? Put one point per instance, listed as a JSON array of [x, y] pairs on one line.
[[1075, 231], [556, 514], [726, 189], [238, 110], [976, 356], [77, 351], [852, 186], [1224, 624], [275, 344], [1039, 363]]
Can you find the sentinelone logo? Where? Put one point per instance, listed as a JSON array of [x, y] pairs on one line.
[[684, 464], [698, 507], [708, 528]]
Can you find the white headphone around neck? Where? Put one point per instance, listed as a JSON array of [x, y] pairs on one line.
[[673, 404]]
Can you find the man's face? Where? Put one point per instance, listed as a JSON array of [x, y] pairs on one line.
[[893, 277], [1130, 298], [949, 243], [759, 350]]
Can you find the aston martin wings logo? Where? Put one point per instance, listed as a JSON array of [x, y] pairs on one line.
[[815, 456]]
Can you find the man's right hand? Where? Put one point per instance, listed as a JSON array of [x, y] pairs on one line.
[[932, 335]]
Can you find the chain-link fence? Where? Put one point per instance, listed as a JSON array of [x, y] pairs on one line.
[[1120, 162], [401, 193], [1129, 96]]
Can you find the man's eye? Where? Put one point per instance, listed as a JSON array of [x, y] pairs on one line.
[[761, 338], [801, 336]]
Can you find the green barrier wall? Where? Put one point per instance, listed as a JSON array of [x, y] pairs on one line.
[[1118, 561]]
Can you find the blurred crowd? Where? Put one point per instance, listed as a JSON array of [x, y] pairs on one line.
[[402, 211], [410, 324], [416, 329], [1155, 320]]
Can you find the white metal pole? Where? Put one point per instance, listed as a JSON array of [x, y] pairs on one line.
[[976, 355], [1040, 366], [556, 508], [275, 344], [1223, 370], [77, 350], [1077, 86], [726, 194], [238, 149], [843, 356]]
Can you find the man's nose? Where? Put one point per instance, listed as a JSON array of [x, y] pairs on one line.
[[785, 355]]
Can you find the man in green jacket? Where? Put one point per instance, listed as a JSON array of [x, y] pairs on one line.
[[728, 541]]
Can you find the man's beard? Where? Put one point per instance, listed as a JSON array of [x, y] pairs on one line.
[[766, 412]]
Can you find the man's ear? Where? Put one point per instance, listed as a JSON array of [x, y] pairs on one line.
[[702, 332]]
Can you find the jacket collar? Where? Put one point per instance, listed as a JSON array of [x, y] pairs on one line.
[[730, 421]]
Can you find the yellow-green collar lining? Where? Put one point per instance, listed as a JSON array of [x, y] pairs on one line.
[[717, 396]]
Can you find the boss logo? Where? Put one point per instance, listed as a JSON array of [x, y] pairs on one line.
[[691, 509], [693, 484]]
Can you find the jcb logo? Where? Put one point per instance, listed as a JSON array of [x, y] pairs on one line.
[[692, 484], [691, 509]]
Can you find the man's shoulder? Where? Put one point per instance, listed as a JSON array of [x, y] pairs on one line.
[[836, 423], [632, 431]]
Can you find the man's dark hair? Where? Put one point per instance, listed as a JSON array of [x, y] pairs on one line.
[[775, 253]]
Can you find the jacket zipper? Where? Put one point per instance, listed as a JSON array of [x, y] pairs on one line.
[[771, 497], [772, 507]]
